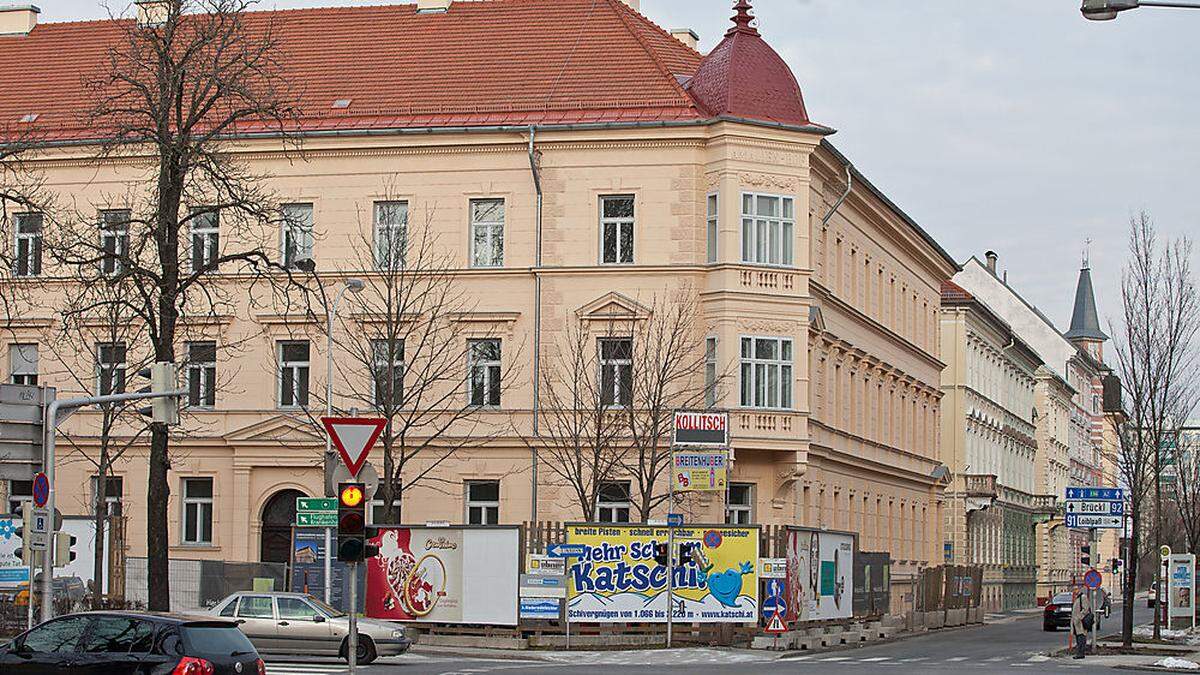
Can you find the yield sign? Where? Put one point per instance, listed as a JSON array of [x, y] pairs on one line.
[[353, 437]]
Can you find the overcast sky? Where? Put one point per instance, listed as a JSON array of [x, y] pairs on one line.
[[1014, 125]]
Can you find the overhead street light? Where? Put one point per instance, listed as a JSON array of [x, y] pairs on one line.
[[1107, 10]]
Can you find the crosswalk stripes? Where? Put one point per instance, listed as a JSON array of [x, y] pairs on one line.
[[293, 668], [925, 661]]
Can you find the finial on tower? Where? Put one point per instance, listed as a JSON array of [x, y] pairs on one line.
[[742, 19], [1087, 253]]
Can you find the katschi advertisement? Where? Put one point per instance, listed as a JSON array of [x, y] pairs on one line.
[[618, 580], [444, 575], [820, 575]]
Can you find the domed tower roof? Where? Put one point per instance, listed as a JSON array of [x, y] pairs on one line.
[[744, 77]]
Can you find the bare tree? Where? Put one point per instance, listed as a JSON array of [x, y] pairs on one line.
[[174, 97], [24, 204], [670, 371], [581, 439], [1156, 360]]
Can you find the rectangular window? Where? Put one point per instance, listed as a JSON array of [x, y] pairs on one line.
[[487, 232], [391, 234], [616, 371], [293, 374], [19, 492], [613, 502], [710, 371], [713, 221], [114, 240], [485, 372], [110, 368], [740, 510], [206, 239], [766, 372], [483, 502], [616, 229], [768, 224], [202, 374], [114, 487], [296, 236], [197, 510], [27, 245], [389, 371], [23, 364]]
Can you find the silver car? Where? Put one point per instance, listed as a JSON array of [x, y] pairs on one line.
[[297, 623]]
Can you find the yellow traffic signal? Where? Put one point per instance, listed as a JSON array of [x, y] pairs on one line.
[[352, 495]]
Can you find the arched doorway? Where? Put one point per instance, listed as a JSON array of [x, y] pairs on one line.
[[278, 516]]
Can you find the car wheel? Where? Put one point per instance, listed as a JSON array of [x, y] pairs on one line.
[[1049, 627], [366, 650]]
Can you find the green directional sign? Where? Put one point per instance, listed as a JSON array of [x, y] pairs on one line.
[[317, 504], [318, 519]]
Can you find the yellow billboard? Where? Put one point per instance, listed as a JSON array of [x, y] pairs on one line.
[[617, 579]]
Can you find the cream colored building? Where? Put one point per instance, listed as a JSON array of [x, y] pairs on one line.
[[724, 185], [988, 435]]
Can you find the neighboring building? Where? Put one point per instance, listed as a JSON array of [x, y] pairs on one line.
[[988, 442], [716, 177]]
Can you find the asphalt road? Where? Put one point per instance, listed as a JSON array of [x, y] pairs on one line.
[[1013, 645]]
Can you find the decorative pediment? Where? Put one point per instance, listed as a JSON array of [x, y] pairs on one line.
[[613, 306], [284, 429]]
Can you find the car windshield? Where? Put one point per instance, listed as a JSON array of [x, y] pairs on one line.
[[212, 639], [1061, 599], [325, 609]]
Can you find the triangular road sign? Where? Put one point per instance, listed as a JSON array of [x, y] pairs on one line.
[[776, 625], [353, 437]]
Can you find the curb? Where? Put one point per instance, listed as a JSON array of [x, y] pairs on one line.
[[492, 654], [899, 637]]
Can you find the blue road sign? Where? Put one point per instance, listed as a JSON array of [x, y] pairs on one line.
[[773, 602], [675, 520], [1092, 579], [1087, 521], [41, 489], [566, 550], [1096, 494]]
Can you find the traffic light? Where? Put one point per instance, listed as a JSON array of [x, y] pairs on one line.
[[352, 522], [662, 553], [1085, 555], [164, 409], [1116, 564], [64, 545]]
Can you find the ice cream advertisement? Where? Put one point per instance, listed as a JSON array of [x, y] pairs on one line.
[[820, 575], [444, 575], [618, 580]]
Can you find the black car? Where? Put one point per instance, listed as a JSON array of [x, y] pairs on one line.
[[134, 643], [1058, 612]]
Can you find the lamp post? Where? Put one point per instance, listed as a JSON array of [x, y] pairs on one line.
[[1107, 10]]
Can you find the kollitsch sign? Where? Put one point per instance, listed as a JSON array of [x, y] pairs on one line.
[[701, 428]]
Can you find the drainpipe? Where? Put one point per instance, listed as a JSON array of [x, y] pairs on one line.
[[537, 326], [841, 200]]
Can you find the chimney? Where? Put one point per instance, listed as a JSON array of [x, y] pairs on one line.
[[991, 261], [18, 19], [153, 12], [687, 36], [432, 6]]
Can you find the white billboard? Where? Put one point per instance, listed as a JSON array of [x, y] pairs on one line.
[[15, 572], [820, 575]]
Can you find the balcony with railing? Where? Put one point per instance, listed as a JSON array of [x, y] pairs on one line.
[[980, 485]]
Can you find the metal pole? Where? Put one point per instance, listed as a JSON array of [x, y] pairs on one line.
[[352, 644], [328, 564], [670, 560], [567, 606], [26, 519]]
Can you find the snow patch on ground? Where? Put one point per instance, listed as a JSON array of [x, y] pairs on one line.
[[1176, 663], [1190, 637]]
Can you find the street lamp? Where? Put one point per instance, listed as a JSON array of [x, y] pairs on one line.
[[1107, 10]]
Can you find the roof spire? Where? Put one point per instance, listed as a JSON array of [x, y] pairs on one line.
[[742, 19], [1087, 254], [1085, 320]]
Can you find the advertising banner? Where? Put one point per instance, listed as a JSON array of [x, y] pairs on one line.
[[444, 575], [820, 569], [13, 572], [1182, 571], [701, 428], [700, 471], [618, 580], [308, 567]]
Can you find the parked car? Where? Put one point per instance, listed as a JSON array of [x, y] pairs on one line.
[[1057, 613], [297, 623], [133, 643]]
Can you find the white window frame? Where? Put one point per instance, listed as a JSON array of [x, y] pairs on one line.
[[206, 238], [755, 226], [610, 511], [622, 256], [28, 373], [711, 346], [200, 507], [117, 232], [114, 366], [31, 258], [740, 514], [296, 232], [297, 368], [489, 510], [379, 366], [786, 371], [493, 230], [205, 374], [712, 226], [620, 366], [390, 235], [492, 370]]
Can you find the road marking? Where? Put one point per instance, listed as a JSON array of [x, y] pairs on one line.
[[305, 668], [835, 658], [875, 659], [955, 659], [916, 659]]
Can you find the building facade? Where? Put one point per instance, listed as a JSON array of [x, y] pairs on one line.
[[564, 207]]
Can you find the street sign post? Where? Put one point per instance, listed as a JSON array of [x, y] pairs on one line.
[[1093, 579], [1075, 520], [565, 550], [353, 437], [22, 429], [41, 489], [1096, 494], [675, 520], [1095, 508]]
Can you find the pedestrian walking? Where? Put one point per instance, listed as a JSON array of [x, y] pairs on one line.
[[1083, 617]]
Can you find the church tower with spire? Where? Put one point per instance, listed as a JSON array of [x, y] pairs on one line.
[[1085, 330]]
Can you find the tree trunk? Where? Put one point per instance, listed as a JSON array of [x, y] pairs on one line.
[[1162, 597], [157, 540], [100, 509], [1131, 571]]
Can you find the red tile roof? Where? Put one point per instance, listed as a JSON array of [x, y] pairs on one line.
[[952, 292], [491, 63]]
